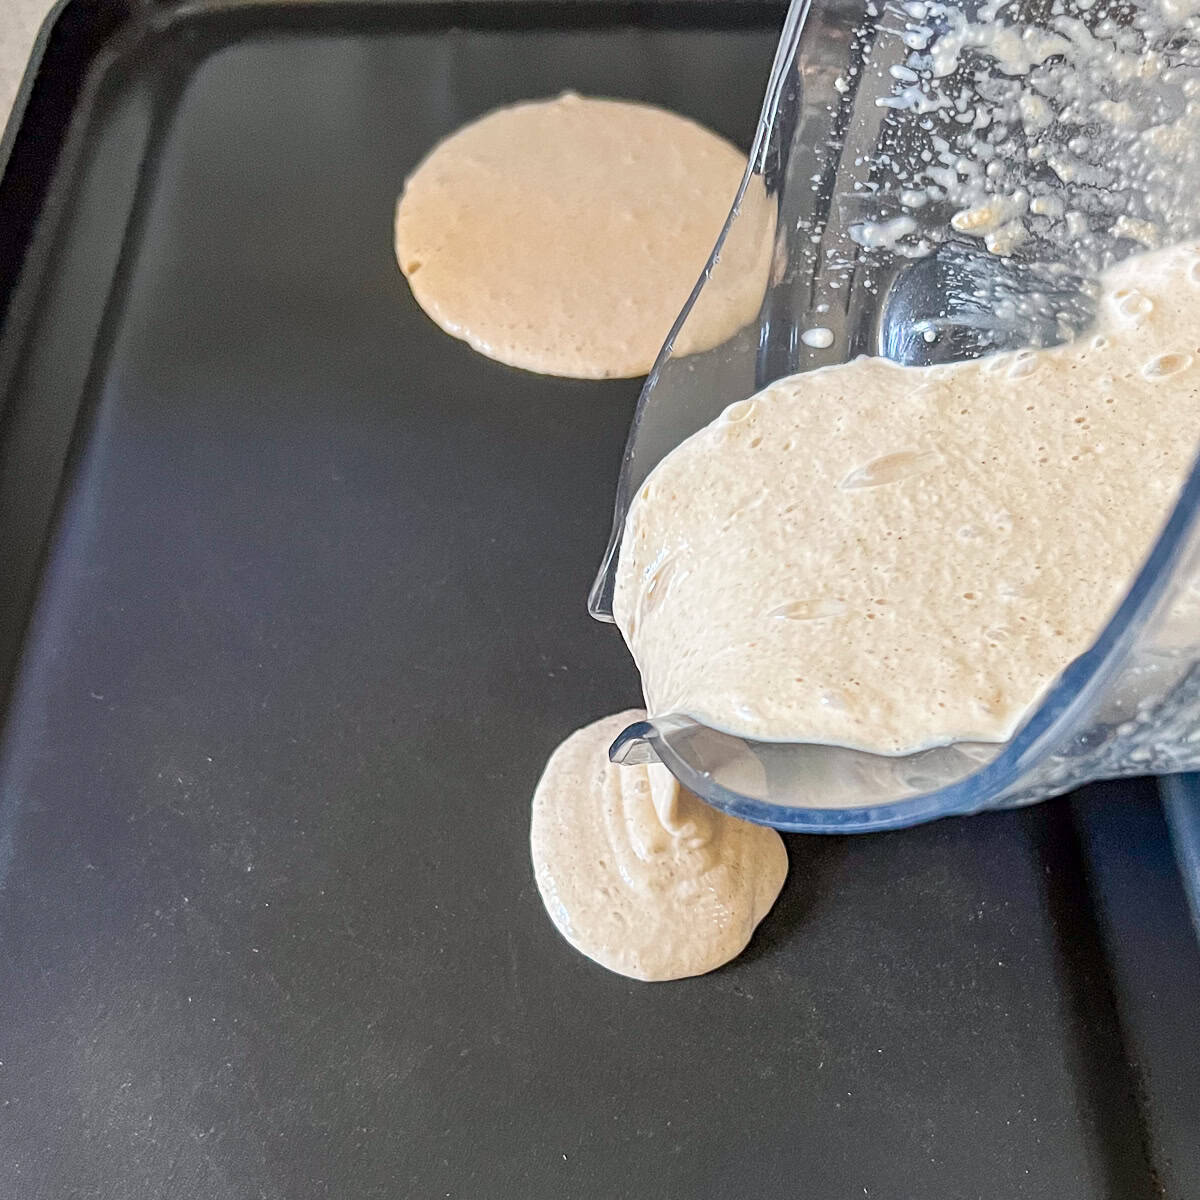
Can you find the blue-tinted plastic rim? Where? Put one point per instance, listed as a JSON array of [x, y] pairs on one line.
[[1181, 803]]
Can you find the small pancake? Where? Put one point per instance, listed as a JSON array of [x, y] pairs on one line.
[[564, 236]]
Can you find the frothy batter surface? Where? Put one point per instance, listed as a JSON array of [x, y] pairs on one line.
[[639, 874], [564, 235], [888, 557]]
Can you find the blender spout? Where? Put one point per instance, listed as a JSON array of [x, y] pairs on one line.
[[634, 748]]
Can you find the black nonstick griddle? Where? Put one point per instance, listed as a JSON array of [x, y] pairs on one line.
[[291, 614]]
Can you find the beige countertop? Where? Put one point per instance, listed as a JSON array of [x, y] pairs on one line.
[[19, 23]]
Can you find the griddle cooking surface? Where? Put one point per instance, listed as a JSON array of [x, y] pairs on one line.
[[309, 620]]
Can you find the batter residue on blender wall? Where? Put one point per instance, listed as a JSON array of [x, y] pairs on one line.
[[1067, 127]]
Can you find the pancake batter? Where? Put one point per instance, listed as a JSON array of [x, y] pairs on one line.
[[890, 558], [565, 235], [639, 874]]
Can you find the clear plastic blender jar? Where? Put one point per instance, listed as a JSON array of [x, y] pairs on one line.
[[931, 182]]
